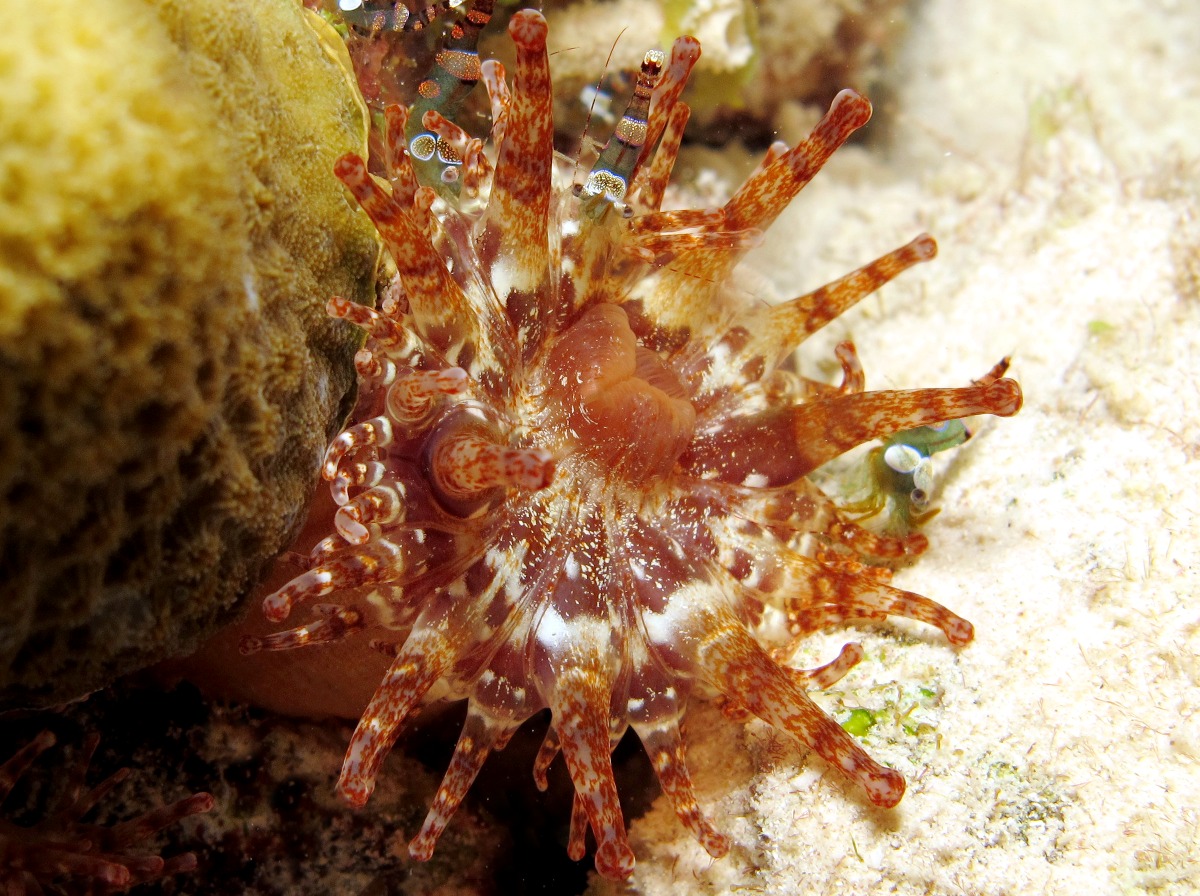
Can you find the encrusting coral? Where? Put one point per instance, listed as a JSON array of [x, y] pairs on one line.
[[169, 234], [579, 476]]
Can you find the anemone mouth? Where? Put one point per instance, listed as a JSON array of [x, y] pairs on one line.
[[580, 471]]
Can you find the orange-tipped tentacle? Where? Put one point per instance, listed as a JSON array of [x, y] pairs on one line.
[[468, 462], [364, 515], [758, 342], [682, 297], [440, 311], [427, 654], [499, 98], [374, 563], [779, 445], [514, 232], [790, 323], [545, 758], [373, 433], [664, 746], [336, 623], [396, 160], [685, 51], [817, 592], [479, 735], [355, 475], [580, 702], [767, 192], [413, 396], [832, 672], [830, 594], [577, 833], [736, 665], [650, 184]]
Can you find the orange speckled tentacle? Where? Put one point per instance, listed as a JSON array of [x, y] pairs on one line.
[[832, 672], [383, 329], [816, 594], [475, 742], [545, 758], [373, 433], [798, 319], [514, 232], [833, 596], [412, 396], [399, 166], [467, 464], [493, 76], [677, 219], [580, 706], [371, 564], [651, 183], [782, 444], [736, 665], [425, 657], [775, 332], [767, 192], [826, 429], [697, 273], [577, 833], [664, 746], [665, 247], [853, 377], [441, 311], [336, 622], [685, 51]]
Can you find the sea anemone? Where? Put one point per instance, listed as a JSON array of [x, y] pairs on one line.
[[579, 476], [62, 846]]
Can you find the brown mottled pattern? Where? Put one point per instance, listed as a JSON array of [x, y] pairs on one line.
[[517, 215], [664, 746], [651, 184], [580, 477], [777, 331], [399, 165], [441, 311], [684, 53]]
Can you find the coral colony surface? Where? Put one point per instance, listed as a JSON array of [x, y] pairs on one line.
[[165, 257], [579, 473]]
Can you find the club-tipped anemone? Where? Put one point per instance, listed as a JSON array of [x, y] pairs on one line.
[[579, 471]]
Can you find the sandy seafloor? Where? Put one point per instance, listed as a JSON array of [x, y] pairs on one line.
[[1054, 151]]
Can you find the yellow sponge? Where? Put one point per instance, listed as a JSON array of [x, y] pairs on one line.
[[170, 231]]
